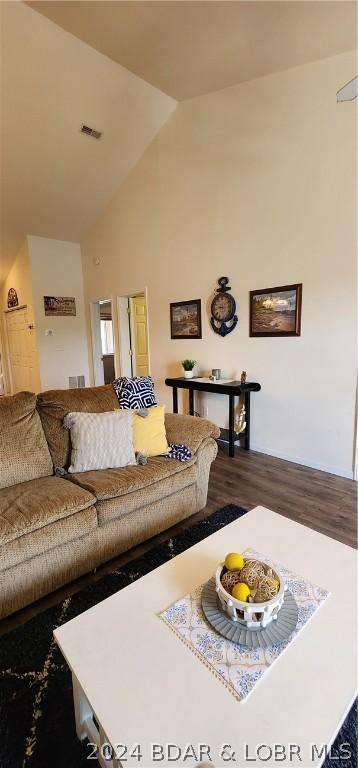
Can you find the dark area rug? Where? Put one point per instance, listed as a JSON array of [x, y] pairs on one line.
[[36, 711]]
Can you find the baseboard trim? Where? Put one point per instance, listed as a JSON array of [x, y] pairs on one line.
[[342, 472]]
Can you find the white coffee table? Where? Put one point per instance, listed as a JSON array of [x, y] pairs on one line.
[[144, 686]]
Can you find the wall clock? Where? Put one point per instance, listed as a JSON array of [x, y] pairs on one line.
[[223, 307], [12, 300]]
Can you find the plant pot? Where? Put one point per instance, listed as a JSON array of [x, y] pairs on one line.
[[188, 374]]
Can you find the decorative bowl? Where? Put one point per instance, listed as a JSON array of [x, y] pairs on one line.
[[250, 615]]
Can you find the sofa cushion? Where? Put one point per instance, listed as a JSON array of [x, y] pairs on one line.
[[160, 492], [110, 483], [55, 534], [56, 403], [24, 453], [29, 506]]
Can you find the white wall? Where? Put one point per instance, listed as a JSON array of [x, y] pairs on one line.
[[57, 271], [257, 182]]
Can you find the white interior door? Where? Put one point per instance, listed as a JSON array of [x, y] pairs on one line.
[[22, 350]]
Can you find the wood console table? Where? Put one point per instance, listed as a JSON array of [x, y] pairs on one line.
[[231, 388]]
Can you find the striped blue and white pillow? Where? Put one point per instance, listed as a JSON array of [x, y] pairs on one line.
[[135, 393]]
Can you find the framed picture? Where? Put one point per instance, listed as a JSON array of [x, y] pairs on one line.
[[60, 305], [185, 319], [276, 311], [12, 299]]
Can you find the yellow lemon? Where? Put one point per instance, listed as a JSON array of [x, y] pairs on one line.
[[241, 591], [234, 561]]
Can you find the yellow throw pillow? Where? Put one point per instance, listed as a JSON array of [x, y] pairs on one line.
[[149, 436]]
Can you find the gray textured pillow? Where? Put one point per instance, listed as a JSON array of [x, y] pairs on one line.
[[100, 440]]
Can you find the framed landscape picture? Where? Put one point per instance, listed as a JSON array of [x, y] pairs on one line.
[[60, 305], [185, 319], [276, 311]]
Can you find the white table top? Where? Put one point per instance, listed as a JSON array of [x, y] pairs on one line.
[[146, 686], [207, 380]]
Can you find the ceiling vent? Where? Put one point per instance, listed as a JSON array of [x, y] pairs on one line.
[[90, 131]]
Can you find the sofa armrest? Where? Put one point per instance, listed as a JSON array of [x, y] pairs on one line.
[[191, 431]]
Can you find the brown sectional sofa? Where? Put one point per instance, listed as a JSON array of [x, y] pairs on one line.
[[54, 529]]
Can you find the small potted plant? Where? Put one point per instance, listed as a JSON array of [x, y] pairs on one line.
[[188, 366]]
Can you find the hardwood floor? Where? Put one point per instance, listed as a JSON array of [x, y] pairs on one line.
[[327, 503]]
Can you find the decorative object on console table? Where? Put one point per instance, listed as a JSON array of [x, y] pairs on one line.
[[243, 377], [276, 311], [185, 319], [230, 388], [188, 366], [12, 299], [64, 306], [240, 422], [223, 307]]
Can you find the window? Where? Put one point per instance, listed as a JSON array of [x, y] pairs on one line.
[[107, 337]]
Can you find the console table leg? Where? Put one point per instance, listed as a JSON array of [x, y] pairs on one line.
[[191, 402], [247, 418], [231, 425], [175, 399]]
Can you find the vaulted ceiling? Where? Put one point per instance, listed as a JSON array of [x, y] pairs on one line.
[[119, 67], [55, 181], [189, 48]]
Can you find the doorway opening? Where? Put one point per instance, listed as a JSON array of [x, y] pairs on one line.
[[103, 344], [133, 335]]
